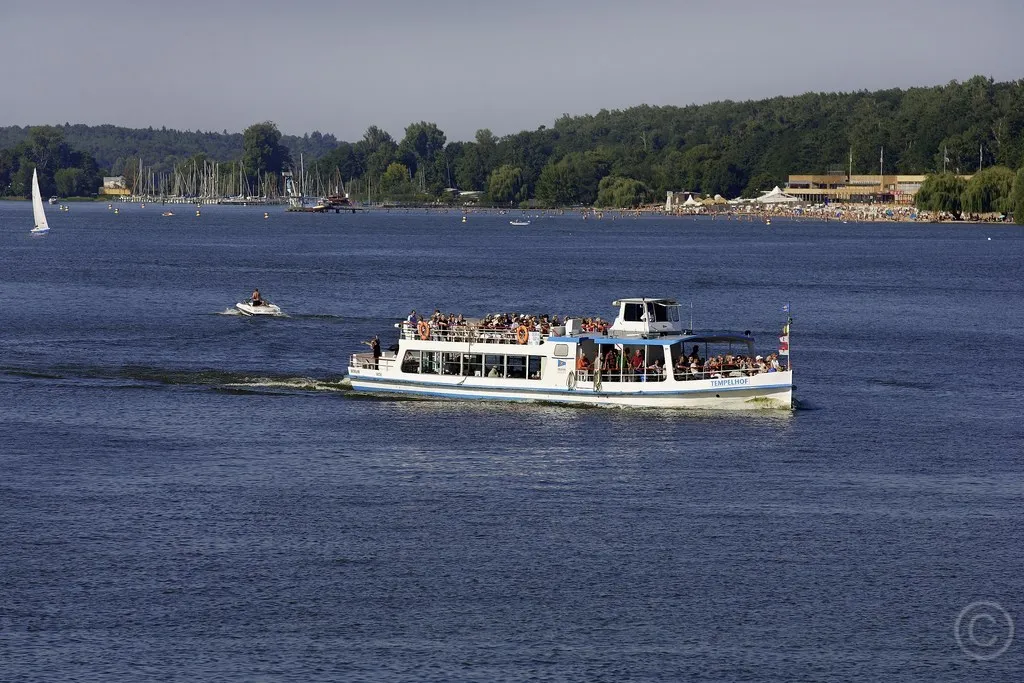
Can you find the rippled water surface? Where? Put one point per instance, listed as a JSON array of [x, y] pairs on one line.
[[191, 495]]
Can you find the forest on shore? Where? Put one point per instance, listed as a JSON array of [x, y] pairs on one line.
[[619, 158]]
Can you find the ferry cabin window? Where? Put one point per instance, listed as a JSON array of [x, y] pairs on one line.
[[411, 362], [633, 313], [472, 365], [494, 366], [451, 363], [561, 350], [515, 367], [430, 362], [534, 367], [664, 313]]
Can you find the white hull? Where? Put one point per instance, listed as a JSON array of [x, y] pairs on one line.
[[247, 308], [769, 390]]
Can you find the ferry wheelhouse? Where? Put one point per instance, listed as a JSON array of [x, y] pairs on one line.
[[644, 359]]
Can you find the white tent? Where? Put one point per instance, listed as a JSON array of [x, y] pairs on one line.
[[776, 196], [690, 201]]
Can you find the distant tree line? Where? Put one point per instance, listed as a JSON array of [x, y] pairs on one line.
[[623, 157], [62, 170]]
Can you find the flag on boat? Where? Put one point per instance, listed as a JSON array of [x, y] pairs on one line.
[[784, 342], [785, 308]]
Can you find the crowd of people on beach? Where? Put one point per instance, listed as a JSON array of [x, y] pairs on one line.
[[845, 212]]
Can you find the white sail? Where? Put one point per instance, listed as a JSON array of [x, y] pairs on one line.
[[37, 206]]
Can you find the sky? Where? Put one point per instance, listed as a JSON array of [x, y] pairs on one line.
[[339, 67]]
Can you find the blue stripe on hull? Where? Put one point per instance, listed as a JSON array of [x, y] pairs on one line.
[[558, 395], [560, 391]]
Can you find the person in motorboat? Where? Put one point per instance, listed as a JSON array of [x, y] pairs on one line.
[[257, 300]]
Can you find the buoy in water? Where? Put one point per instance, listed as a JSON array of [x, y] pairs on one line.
[[989, 239], [266, 215], [116, 210], [197, 213], [463, 219]]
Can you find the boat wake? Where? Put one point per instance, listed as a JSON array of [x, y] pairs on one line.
[[328, 317], [143, 377], [254, 385]]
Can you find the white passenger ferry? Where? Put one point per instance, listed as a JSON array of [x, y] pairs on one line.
[[646, 358]]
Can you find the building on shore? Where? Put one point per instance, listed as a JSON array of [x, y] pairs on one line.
[[841, 187], [114, 186], [681, 198]]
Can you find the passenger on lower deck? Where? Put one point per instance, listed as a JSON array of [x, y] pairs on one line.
[[695, 353], [582, 363], [636, 362]]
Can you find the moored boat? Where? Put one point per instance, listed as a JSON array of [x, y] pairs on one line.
[[646, 358]]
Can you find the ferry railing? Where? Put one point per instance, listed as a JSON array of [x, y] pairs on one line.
[[718, 373], [630, 375], [366, 361], [468, 334], [627, 375]]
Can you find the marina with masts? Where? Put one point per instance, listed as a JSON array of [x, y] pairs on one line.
[[204, 182]]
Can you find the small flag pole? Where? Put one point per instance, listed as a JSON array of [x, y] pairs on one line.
[[789, 327], [785, 338]]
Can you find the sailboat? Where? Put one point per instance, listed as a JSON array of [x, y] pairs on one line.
[[41, 227]]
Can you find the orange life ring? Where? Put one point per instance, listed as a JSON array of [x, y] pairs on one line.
[[424, 329], [522, 334]]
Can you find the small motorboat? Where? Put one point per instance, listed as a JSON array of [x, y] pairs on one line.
[[167, 213], [519, 222], [248, 307]]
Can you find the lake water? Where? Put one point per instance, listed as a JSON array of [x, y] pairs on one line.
[[188, 495]]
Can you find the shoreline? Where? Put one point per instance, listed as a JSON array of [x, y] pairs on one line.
[[835, 213]]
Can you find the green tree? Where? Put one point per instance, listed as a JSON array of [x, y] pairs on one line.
[[420, 149], [71, 182], [506, 186], [262, 151], [573, 179], [395, 179], [7, 167], [377, 150], [1018, 198], [762, 182], [21, 179], [941, 192], [619, 192], [989, 190]]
